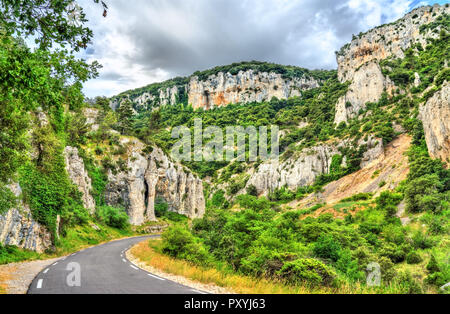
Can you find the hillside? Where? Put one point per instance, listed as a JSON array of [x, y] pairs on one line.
[[363, 175], [243, 82]]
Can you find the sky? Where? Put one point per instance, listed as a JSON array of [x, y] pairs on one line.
[[146, 41]]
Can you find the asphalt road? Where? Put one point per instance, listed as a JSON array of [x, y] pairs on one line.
[[103, 269]]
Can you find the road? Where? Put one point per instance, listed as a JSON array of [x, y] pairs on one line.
[[103, 269]]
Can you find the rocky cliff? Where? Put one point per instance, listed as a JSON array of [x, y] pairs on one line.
[[435, 115], [79, 176], [304, 167], [18, 228], [245, 87], [151, 177], [358, 62], [238, 83]]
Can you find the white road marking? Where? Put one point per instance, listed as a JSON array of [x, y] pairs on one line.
[[201, 292], [46, 271], [132, 266], [55, 264], [39, 284], [156, 277], [124, 260]]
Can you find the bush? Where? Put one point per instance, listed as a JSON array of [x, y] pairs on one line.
[[413, 258], [161, 208], [113, 217], [12, 254], [307, 271], [326, 247], [7, 199], [178, 242]]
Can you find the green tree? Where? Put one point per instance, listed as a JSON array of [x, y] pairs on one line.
[[125, 113]]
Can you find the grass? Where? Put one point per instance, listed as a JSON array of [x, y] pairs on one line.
[[148, 252]]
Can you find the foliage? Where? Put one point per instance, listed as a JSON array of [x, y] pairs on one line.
[[113, 217], [47, 21], [7, 199], [12, 254], [307, 271]]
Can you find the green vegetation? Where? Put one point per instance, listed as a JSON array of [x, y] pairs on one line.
[[40, 114], [261, 241]]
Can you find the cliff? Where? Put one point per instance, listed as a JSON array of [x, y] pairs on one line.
[[152, 177], [17, 227], [245, 87], [237, 83], [303, 168], [359, 61], [435, 115]]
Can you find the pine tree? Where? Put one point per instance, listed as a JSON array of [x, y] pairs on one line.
[[125, 113]]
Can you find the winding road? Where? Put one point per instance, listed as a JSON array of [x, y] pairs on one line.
[[103, 269]]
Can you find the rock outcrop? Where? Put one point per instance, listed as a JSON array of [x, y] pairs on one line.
[[435, 115], [18, 228], [222, 89], [296, 171], [151, 177], [245, 87], [79, 176], [358, 62], [304, 167]]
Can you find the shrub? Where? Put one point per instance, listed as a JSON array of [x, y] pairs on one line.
[[413, 258], [175, 240], [410, 285], [309, 271], [7, 199], [113, 217], [179, 242], [327, 247], [161, 208], [251, 190], [432, 265]]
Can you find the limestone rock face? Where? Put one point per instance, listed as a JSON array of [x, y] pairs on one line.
[[297, 171], [91, 115], [79, 176], [153, 176], [222, 89], [303, 168], [367, 86], [18, 228], [245, 87], [358, 61], [435, 115]]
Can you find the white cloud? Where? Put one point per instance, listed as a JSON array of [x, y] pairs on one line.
[[145, 41]]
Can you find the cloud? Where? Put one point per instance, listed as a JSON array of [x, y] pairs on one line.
[[145, 41]]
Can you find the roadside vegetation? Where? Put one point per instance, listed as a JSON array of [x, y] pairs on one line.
[[254, 239]]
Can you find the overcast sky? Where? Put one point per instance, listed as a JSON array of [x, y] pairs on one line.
[[147, 41]]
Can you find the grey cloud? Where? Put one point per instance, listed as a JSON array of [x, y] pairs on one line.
[[182, 36]]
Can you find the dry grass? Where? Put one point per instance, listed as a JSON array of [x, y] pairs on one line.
[[5, 275], [146, 253]]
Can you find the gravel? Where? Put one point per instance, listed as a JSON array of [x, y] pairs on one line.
[[20, 275]]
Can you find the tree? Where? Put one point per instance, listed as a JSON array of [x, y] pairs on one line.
[[29, 80], [49, 22], [125, 113], [155, 120]]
